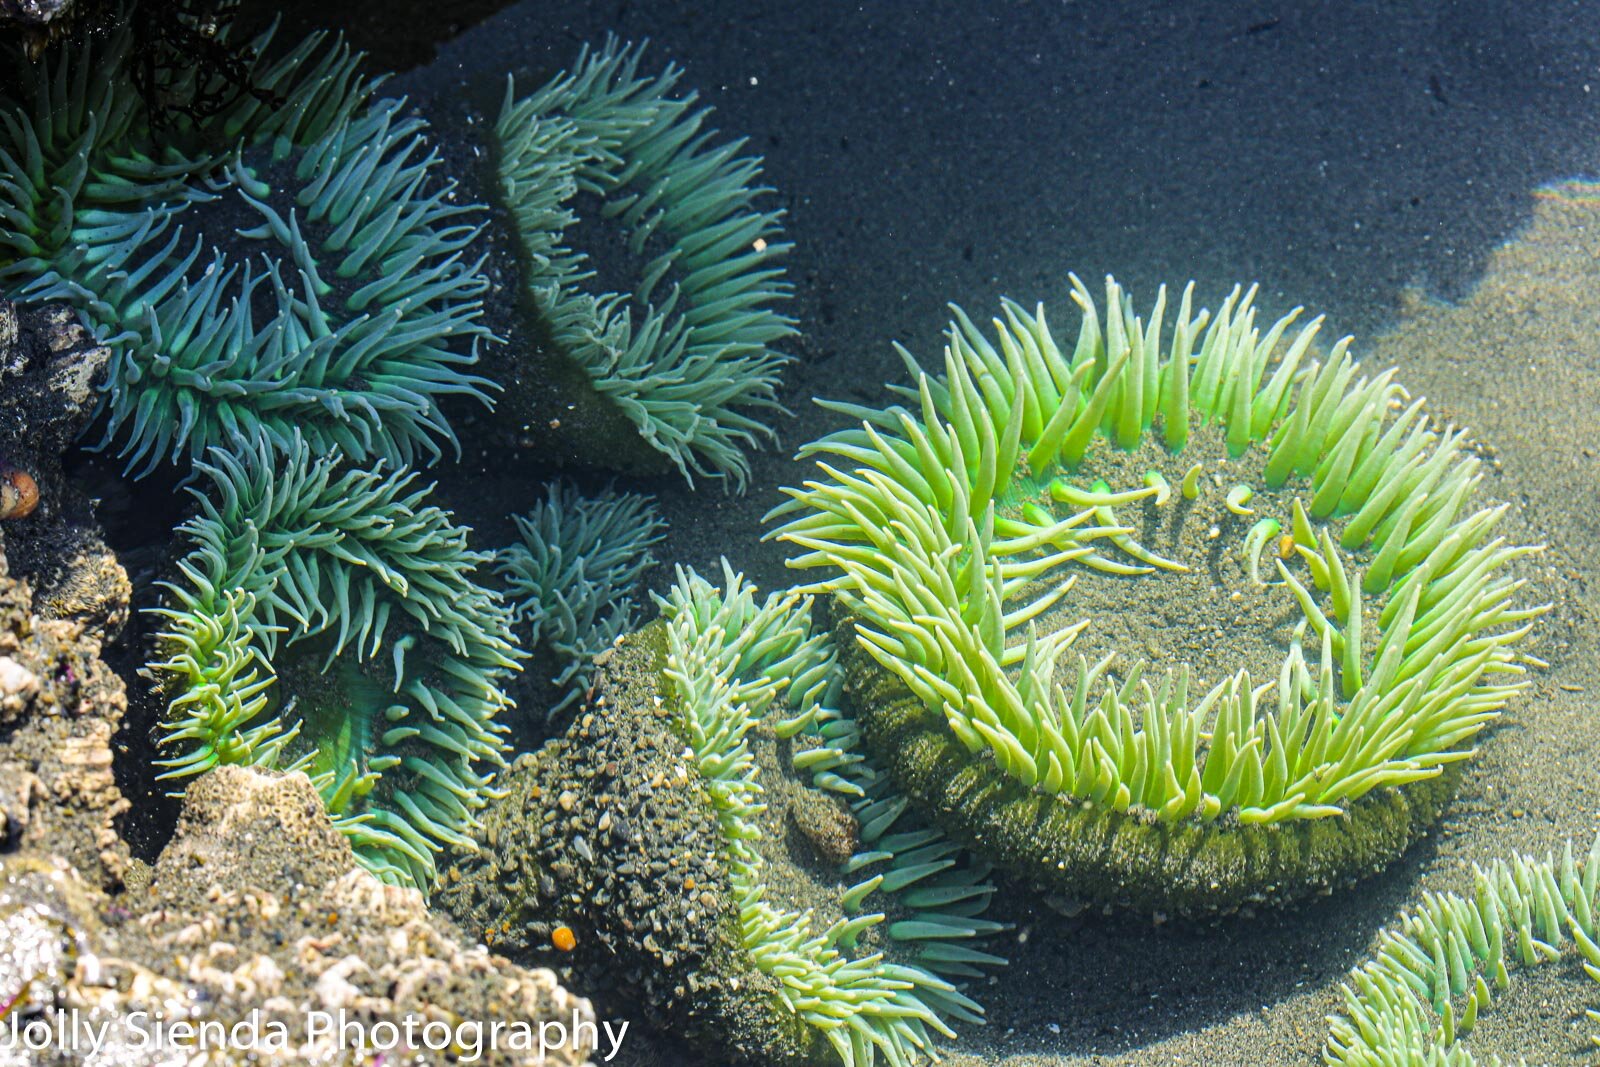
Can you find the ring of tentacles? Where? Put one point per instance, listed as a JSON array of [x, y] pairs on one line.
[[1181, 621]]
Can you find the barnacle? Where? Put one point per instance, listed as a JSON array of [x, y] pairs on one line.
[[687, 354], [1030, 485], [732, 663], [570, 580], [1436, 972], [349, 590], [324, 286]]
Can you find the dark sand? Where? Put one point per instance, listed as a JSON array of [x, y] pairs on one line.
[[1340, 154]]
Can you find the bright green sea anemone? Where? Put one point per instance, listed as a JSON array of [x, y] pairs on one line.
[[290, 265], [686, 355], [734, 662], [1422, 994], [1125, 494], [330, 621]]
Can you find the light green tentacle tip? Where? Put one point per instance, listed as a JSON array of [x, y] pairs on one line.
[[1155, 480], [1191, 481], [1262, 532]]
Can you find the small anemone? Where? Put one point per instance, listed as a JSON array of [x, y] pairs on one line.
[[290, 264], [349, 590], [1117, 500], [570, 581], [1438, 970], [686, 355]]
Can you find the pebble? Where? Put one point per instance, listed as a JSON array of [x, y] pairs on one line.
[[15, 679]]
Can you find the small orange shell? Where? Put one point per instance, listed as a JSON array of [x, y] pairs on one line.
[[19, 493], [563, 938]]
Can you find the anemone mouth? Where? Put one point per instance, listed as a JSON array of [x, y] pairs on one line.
[[686, 352], [337, 300], [1292, 543], [328, 621]]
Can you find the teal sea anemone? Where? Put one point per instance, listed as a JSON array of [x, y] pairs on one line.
[[324, 286], [734, 662], [571, 579], [1032, 498], [330, 621], [687, 354], [1438, 970]]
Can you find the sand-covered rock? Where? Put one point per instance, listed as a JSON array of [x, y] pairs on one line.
[[608, 833], [60, 707], [63, 596], [261, 935]]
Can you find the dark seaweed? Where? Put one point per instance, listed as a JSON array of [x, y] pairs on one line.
[[185, 65]]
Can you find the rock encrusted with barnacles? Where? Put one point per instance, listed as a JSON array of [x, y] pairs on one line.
[[60, 706], [607, 832], [258, 905]]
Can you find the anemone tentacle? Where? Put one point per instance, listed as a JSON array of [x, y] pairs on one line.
[[571, 579]]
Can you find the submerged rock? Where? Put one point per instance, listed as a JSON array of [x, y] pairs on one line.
[[63, 597], [60, 706], [607, 833], [50, 368], [259, 930]]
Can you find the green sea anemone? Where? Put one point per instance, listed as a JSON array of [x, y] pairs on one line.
[[324, 286], [570, 582], [731, 660], [686, 355], [356, 600], [1128, 492], [1425, 989]]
